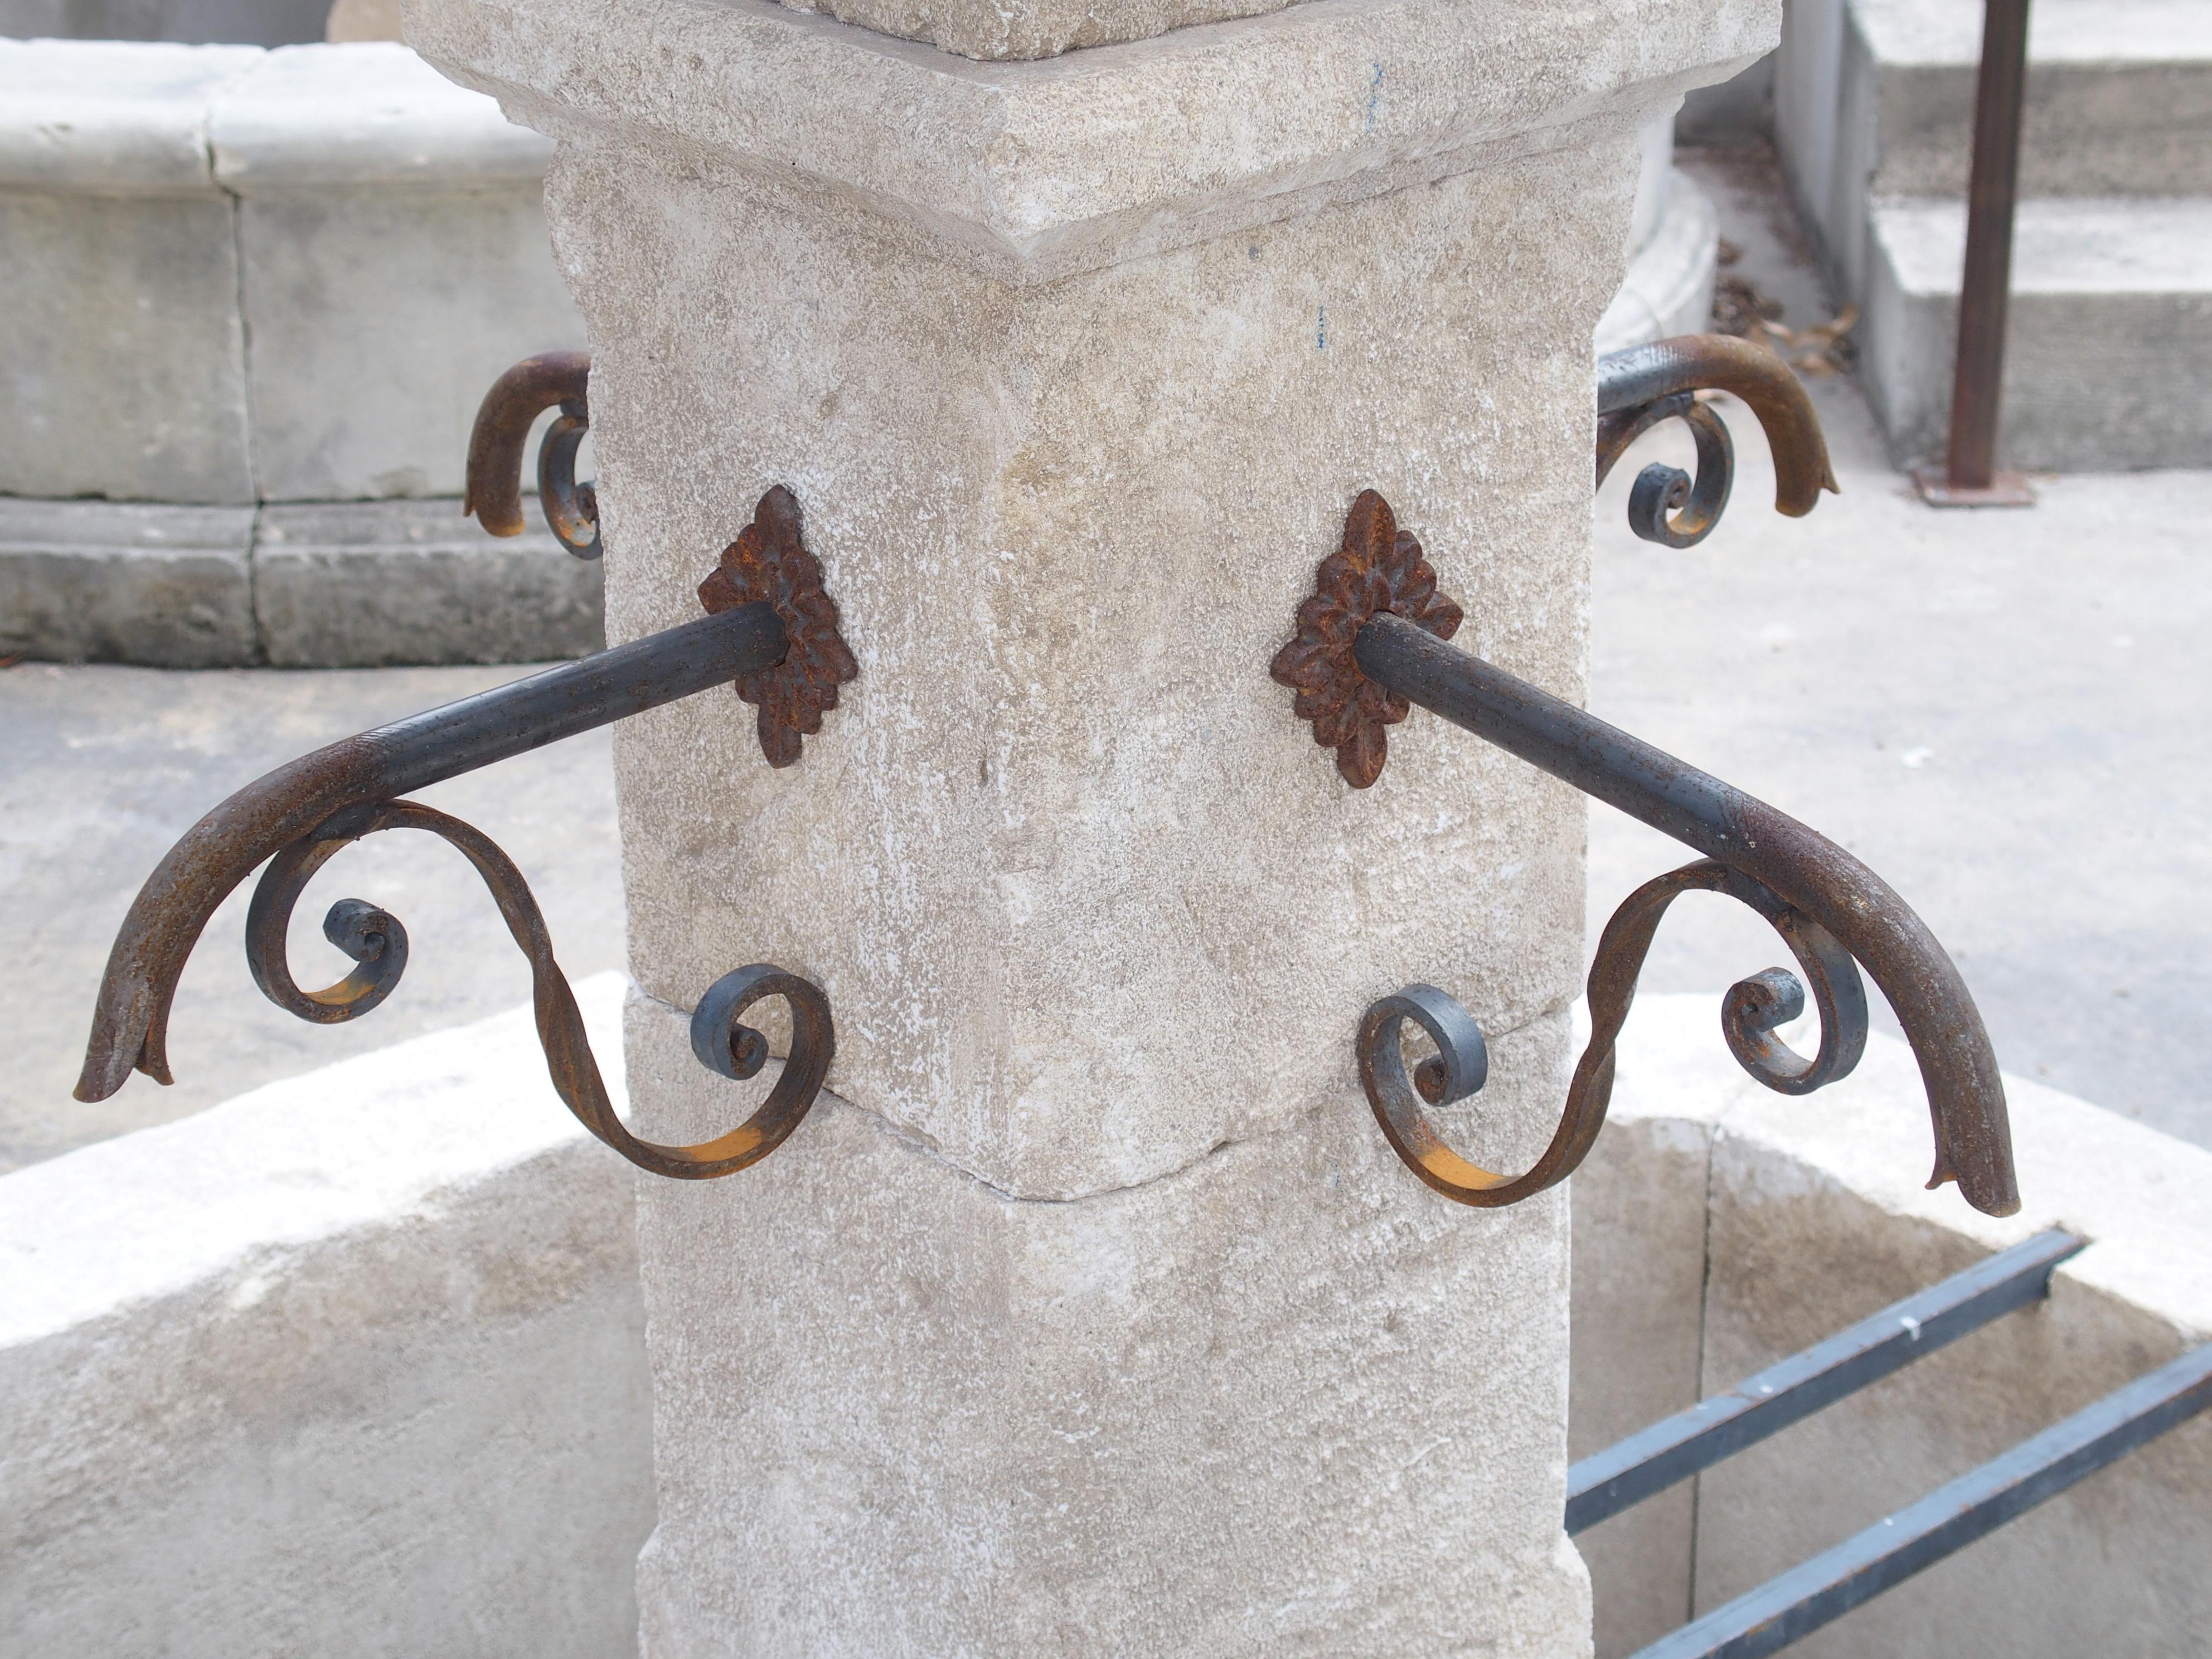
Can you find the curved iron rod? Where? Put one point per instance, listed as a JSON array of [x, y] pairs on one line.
[[1629, 383], [378, 942], [129, 1024], [1965, 1096], [517, 398]]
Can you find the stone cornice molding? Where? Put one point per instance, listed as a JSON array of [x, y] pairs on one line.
[[1036, 169], [139, 118]]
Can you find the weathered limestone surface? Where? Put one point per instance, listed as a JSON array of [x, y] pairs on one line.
[[330, 585], [977, 28], [1101, 1319], [394, 257], [364, 584], [1639, 1332], [234, 275], [1281, 1402], [100, 581], [351, 1364]]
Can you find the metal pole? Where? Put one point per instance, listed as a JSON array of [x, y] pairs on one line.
[[1970, 478]]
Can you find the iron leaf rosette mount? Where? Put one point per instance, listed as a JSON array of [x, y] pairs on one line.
[[1372, 643], [771, 631]]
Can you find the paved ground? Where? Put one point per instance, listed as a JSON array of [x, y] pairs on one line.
[[1997, 711], [105, 767]]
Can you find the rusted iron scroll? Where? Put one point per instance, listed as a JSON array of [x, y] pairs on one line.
[[1360, 661], [771, 631], [502, 433], [1639, 388]]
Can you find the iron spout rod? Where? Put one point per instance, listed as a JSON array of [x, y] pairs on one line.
[[576, 697], [130, 1021], [1965, 1095]]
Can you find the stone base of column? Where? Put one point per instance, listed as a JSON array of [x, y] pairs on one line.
[[899, 1411]]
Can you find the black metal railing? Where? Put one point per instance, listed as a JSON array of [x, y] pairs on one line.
[[1795, 1603]]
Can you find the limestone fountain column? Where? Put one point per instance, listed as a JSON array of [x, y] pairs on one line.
[[1092, 1314]]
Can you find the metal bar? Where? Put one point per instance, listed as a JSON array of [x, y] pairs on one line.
[[1629, 382], [1986, 284], [1965, 1095], [494, 487], [130, 1023], [1791, 1606], [576, 697], [1654, 1459]]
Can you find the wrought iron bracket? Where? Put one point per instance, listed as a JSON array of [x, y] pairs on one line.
[[1639, 388], [770, 630], [1371, 643], [494, 491]]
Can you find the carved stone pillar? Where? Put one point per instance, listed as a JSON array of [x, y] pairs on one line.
[[1094, 1315]]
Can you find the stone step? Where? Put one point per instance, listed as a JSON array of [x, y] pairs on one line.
[[294, 584], [2108, 362], [2120, 97], [1874, 99]]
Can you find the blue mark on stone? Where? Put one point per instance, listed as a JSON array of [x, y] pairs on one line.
[[1320, 329], [1374, 95]]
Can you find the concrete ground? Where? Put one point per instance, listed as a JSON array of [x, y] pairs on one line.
[[106, 766], [1995, 710]]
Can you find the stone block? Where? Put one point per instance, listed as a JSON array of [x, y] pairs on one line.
[[395, 261], [101, 582], [2108, 354], [977, 1424], [374, 584], [122, 350], [1638, 1316], [351, 1364], [1111, 834]]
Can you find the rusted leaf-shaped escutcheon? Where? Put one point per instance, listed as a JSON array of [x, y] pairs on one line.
[[1379, 568], [768, 561]]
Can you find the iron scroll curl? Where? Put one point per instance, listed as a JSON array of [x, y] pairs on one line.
[[1371, 643], [1645, 385], [377, 942], [1750, 1010]]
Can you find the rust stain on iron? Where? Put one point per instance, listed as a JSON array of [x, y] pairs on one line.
[[1379, 568], [494, 491], [769, 562], [1629, 384]]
